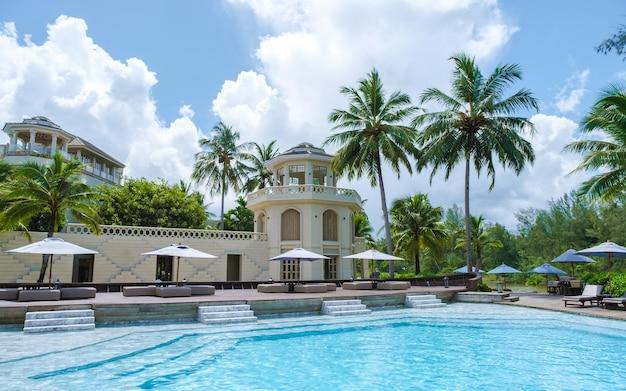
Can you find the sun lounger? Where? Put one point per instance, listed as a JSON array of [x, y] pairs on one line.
[[139, 291], [78, 293], [272, 288], [358, 285], [331, 286], [8, 294], [590, 294], [172, 291], [614, 302], [202, 290], [311, 288], [393, 285], [39, 295]]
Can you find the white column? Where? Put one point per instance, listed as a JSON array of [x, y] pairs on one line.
[[13, 142], [65, 146], [31, 141], [53, 147]]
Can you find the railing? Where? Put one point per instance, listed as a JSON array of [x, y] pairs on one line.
[[344, 194], [185, 233]]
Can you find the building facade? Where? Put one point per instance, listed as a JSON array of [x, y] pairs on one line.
[[38, 139], [303, 208]]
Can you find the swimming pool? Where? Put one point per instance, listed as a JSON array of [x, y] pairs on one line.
[[461, 346]]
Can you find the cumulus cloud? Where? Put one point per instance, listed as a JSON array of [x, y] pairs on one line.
[[79, 85], [569, 96]]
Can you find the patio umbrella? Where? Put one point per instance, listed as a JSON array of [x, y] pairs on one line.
[[299, 254], [547, 269], [572, 257], [464, 270], [178, 251], [609, 250], [373, 255], [52, 246], [503, 270]]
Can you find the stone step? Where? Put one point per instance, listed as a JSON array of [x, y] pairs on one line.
[[344, 307], [67, 327], [229, 320], [59, 314], [430, 301], [421, 297], [510, 298], [227, 314], [330, 303], [433, 305], [350, 312], [223, 308], [58, 321]]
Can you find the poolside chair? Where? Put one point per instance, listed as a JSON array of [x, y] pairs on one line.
[[614, 302], [590, 294]]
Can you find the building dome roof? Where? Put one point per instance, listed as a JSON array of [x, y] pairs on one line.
[[305, 148], [41, 121]]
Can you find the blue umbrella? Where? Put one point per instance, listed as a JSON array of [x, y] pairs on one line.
[[464, 270], [572, 257], [503, 269], [609, 250], [546, 268]]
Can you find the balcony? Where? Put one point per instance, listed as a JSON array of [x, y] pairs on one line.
[[304, 192]]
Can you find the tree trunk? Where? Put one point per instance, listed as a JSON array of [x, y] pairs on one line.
[[468, 230], [478, 259], [383, 200], [45, 259], [417, 262], [223, 194]]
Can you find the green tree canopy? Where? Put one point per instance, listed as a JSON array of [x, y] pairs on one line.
[[260, 176], [239, 218]]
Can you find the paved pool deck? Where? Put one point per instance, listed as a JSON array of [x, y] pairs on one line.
[[555, 303]]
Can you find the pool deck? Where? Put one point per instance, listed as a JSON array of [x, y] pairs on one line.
[[555, 303]]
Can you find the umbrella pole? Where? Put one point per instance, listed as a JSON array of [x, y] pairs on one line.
[[50, 272], [177, 268]]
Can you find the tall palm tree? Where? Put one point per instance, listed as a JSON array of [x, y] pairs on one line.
[[417, 226], [220, 164], [607, 115], [481, 239], [372, 130], [260, 176], [56, 190], [476, 125]]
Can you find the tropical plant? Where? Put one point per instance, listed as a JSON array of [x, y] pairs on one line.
[[260, 176], [56, 189], [617, 42], [607, 154], [476, 125], [145, 203], [416, 226], [221, 163], [362, 227], [482, 239], [239, 218], [6, 170], [371, 131]]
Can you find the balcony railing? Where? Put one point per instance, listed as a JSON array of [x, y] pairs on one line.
[[312, 190]]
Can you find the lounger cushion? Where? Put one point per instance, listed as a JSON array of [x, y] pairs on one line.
[[78, 293], [331, 286], [272, 288], [39, 295], [311, 288], [173, 291], [591, 292], [202, 290], [394, 285], [615, 300], [360, 285], [139, 291], [8, 294]]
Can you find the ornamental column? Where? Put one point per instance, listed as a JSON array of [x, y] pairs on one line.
[[31, 141], [13, 142], [53, 147]]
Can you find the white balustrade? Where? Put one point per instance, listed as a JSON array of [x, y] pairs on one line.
[[345, 194]]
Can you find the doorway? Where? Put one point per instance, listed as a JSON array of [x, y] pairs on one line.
[[233, 267], [83, 268], [330, 268], [164, 267]]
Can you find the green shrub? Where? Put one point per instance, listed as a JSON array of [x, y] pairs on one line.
[[482, 287], [616, 284], [597, 278], [536, 280]]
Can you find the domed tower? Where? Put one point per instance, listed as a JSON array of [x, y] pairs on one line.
[[304, 208]]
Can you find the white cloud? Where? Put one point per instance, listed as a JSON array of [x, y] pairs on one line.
[[621, 75], [77, 84], [569, 96]]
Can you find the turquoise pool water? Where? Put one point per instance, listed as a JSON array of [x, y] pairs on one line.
[[462, 346]]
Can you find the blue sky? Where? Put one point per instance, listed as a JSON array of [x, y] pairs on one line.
[[273, 69]]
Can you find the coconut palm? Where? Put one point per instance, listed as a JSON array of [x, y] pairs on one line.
[[482, 239], [477, 124], [606, 154], [260, 176], [56, 190], [417, 226], [362, 227], [371, 131], [221, 163]]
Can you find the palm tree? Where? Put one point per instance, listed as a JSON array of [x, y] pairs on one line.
[[56, 190], [481, 239], [362, 227], [476, 125], [607, 115], [6, 170], [417, 225], [372, 130], [220, 164], [260, 176]]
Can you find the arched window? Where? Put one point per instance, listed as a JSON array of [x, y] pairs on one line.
[[329, 224], [290, 225], [260, 223]]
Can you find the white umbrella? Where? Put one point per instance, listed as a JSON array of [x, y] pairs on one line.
[[299, 254], [609, 250], [373, 255], [178, 251], [52, 246]]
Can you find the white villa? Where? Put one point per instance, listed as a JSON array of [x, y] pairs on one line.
[[38, 138], [303, 209]]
